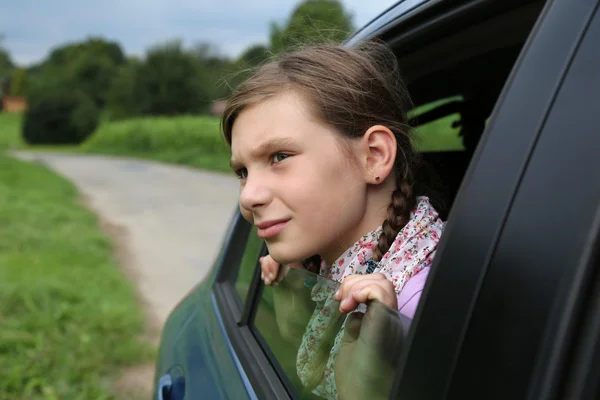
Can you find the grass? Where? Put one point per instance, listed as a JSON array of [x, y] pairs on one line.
[[188, 140], [10, 130], [196, 140], [438, 135], [70, 319]]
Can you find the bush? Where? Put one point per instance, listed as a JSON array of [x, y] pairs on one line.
[[188, 140], [60, 117]]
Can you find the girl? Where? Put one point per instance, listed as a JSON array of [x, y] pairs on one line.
[[321, 144]]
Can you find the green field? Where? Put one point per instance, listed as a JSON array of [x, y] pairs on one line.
[[189, 140], [69, 318], [10, 130]]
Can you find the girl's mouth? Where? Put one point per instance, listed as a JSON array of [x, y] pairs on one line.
[[271, 228]]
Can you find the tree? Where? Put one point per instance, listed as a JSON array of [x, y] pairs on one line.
[[205, 51], [165, 83], [255, 55], [121, 97], [311, 22], [92, 74], [18, 84], [71, 52], [247, 62], [213, 71], [6, 66], [88, 66]]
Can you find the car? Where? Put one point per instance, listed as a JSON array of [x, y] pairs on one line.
[[507, 113]]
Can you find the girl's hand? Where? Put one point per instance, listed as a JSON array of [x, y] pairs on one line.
[[270, 269], [357, 289]]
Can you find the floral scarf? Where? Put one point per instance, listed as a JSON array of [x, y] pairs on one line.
[[412, 250]]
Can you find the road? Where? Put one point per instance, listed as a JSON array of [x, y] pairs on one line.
[[173, 218]]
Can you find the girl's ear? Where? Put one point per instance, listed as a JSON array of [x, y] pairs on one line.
[[379, 146]]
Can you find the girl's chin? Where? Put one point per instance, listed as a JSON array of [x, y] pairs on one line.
[[279, 254]]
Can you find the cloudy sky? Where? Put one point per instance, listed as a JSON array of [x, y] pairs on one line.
[[32, 27]]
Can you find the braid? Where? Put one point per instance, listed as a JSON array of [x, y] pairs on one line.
[[398, 213]]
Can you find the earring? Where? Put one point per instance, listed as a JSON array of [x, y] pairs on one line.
[[376, 177]]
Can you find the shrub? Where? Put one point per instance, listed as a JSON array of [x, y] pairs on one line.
[[60, 117], [189, 140]]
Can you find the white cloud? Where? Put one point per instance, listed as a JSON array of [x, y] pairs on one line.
[[33, 27]]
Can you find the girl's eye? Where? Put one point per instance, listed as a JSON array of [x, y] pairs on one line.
[[278, 157], [242, 173]]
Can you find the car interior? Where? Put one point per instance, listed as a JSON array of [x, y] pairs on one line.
[[460, 76]]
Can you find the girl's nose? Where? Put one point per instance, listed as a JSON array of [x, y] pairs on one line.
[[254, 194]]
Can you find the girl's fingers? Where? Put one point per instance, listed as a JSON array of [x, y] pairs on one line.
[[350, 282], [382, 293], [358, 291], [370, 291], [269, 269]]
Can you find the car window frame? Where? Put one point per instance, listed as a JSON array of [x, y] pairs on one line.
[[231, 265], [263, 379], [571, 303], [575, 372], [581, 369]]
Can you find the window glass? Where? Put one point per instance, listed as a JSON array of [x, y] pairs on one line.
[[249, 263], [439, 134], [320, 352]]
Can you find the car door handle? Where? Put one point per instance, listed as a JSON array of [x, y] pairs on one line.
[[169, 389]]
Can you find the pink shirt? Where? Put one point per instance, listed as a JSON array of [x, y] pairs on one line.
[[409, 296]]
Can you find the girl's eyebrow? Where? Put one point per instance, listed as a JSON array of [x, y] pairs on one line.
[[268, 147]]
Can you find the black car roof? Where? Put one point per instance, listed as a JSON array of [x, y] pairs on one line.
[[393, 14]]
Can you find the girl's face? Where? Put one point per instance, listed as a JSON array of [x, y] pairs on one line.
[[298, 185]]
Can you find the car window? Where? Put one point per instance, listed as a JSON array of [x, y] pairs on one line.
[[249, 263], [296, 321], [434, 130], [320, 352]]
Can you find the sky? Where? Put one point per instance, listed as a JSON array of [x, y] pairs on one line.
[[31, 28]]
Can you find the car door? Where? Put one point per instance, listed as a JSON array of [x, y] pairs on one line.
[[546, 251], [266, 350], [495, 312], [195, 358]]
